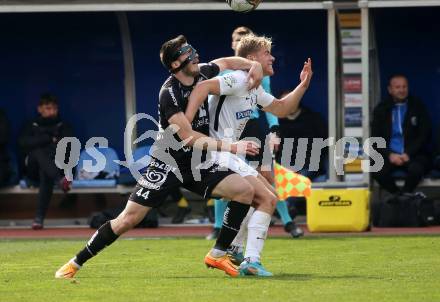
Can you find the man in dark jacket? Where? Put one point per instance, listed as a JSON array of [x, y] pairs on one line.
[[403, 121], [38, 142], [5, 169]]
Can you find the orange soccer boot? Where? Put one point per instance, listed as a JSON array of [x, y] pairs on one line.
[[222, 263]]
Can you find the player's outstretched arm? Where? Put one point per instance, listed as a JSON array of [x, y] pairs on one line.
[[199, 95], [254, 68], [290, 102], [179, 122]]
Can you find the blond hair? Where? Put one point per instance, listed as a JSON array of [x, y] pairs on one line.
[[250, 44]]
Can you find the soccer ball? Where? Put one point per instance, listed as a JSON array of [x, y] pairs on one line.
[[243, 6]]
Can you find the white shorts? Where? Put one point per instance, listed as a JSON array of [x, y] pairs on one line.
[[234, 163]]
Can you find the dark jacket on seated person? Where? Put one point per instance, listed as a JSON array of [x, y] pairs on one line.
[[42, 134], [38, 143], [406, 128], [416, 126]]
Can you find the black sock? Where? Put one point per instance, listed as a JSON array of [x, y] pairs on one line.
[[103, 237], [234, 215]]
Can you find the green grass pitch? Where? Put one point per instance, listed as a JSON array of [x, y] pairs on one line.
[[405, 268]]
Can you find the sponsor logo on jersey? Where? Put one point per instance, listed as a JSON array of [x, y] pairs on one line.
[[161, 166], [243, 114], [155, 175], [170, 90], [152, 180]]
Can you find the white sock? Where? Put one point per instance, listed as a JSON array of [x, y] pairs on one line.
[[217, 253], [74, 263], [242, 234], [257, 233]]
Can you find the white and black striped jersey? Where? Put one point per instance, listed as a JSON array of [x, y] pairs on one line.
[[233, 108]]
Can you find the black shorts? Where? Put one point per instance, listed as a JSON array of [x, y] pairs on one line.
[[159, 180], [253, 130]]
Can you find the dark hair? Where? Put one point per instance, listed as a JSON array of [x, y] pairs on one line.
[[48, 98], [169, 49], [242, 31], [396, 75]]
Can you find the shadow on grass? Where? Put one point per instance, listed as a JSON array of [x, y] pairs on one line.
[[298, 277], [308, 277], [287, 277]]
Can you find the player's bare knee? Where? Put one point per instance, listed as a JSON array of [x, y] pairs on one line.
[[267, 202]]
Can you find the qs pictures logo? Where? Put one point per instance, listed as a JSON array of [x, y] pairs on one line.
[[335, 201]]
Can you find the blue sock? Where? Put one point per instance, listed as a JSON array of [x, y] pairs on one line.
[[283, 211], [219, 211]]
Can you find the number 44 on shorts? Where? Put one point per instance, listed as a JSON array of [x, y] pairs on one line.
[[143, 195]]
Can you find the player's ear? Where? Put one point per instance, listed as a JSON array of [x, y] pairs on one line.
[[175, 64]]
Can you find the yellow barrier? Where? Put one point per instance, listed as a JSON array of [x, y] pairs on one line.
[[338, 210]]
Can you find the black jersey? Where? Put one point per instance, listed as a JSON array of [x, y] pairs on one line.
[[173, 98]]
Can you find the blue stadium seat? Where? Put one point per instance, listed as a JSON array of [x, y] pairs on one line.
[[141, 157], [106, 177]]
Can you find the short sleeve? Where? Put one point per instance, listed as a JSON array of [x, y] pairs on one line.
[[264, 99], [168, 102], [209, 70], [233, 83]]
